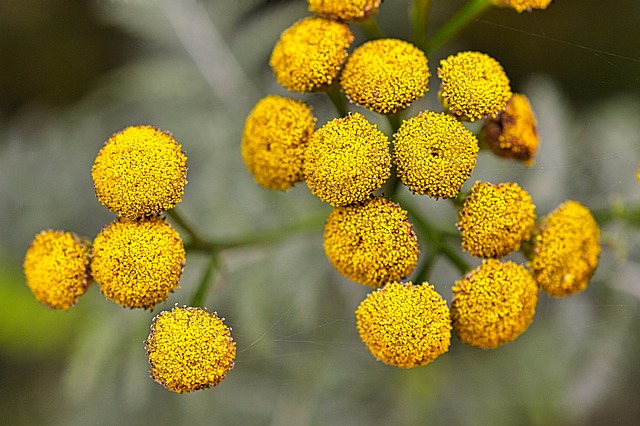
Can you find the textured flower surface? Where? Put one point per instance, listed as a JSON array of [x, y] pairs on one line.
[[346, 160], [275, 136], [310, 53], [385, 75], [140, 171], [474, 85], [522, 5], [189, 349], [496, 219], [344, 10], [434, 154], [138, 263], [56, 268], [405, 325], [512, 133], [371, 242], [493, 304], [566, 250]]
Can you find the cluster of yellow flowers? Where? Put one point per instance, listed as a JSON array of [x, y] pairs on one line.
[[368, 237], [137, 260]]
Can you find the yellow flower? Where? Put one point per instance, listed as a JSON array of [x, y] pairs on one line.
[[473, 85], [434, 154], [566, 250], [372, 242], [522, 5], [344, 10], [140, 171], [346, 160], [56, 268], [310, 53], [493, 304], [385, 75], [189, 349], [275, 136], [405, 325], [496, 219], [512, 133], [138, 263]]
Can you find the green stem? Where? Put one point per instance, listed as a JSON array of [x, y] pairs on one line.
[[337, 98], [206, 280], [618, 211], [371, 28], [425, 269], [196, 240], [457, 23], [420, 21]]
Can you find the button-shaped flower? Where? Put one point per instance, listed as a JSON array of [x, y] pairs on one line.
[[344, 10], [493, 304], [512, 133], [474, 85], [275, 136], [310, 54], [140, 171], [189, 349], [385, 75], [522, 5], [138, 263], [496, 219], [405, 325], [566, 250], [346, 160], [56, 267], [372, 242], [434, 154]]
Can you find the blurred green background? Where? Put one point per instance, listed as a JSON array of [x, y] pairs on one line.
[[75, 71]]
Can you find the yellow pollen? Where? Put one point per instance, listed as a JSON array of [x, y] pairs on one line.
[[522, 5], [344, 10]]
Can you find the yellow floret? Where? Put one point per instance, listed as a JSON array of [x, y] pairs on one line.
[[189, 349], [474, 85], [405, 325], [344, 10], [346, 160], [566, 250], [493, 304], [138, 263], [512, 133], [275, 136], [310, 54], [434, 154], [371, 243], [385, 75], [140, 171], [522, 5], [56, 267], [496, 219]]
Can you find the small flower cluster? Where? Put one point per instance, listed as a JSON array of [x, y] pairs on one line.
[[368, 237], [138, 259]]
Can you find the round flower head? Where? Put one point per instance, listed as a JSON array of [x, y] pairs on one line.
[[434, 154], [405, 325], [473, 85], [493, 304], [344, 10], [138, 263], [140, 171], [496, 219], [310, 53], [372, 242], [275, 136], [566, 250], [512, 133], [56, 268], [189, 349], [522, 5], [385, 75], [346, 160]]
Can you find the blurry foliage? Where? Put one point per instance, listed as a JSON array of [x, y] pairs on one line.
[[300, 361]]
